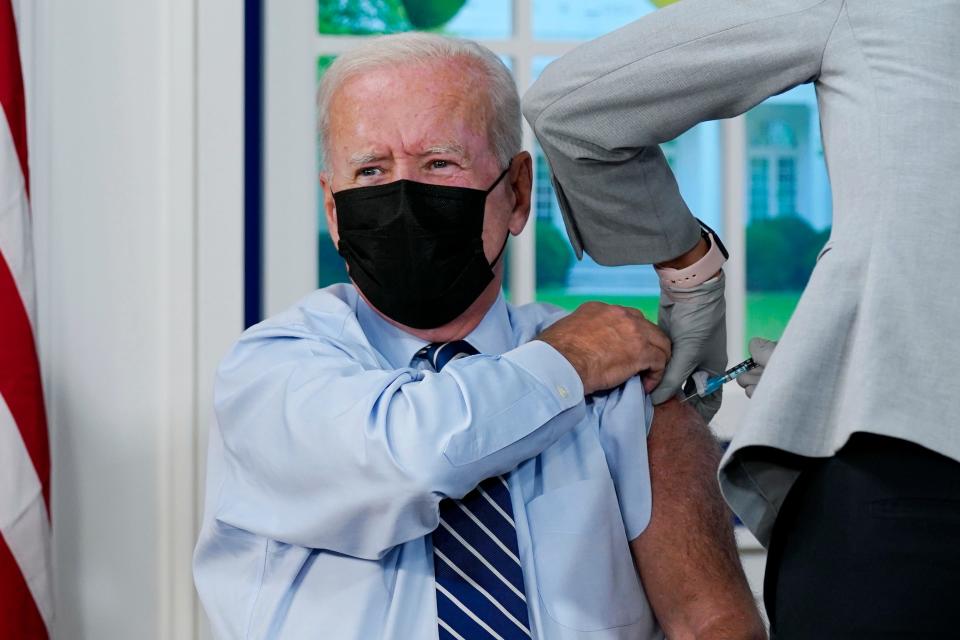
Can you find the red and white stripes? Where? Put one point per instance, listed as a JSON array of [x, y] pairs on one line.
[[26, 603]]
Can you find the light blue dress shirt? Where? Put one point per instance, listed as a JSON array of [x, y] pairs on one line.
[[334, 448]]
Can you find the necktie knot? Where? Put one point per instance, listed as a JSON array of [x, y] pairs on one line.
[[440, 354]]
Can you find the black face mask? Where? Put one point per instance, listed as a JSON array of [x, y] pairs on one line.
[[415, 250]]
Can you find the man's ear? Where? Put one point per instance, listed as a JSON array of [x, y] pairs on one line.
[[330, 208], [521, 183]]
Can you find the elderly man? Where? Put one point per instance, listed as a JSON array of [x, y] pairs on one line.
[[410, 457]]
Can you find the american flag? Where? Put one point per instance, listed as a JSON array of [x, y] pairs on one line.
[[26, 603]]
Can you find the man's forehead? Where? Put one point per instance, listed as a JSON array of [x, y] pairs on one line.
[[419, 111], [443, 81]]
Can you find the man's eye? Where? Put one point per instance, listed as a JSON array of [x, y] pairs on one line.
[[439, 164], [369, 171]]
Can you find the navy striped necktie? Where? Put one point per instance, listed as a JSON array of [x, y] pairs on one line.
[[476, 562]]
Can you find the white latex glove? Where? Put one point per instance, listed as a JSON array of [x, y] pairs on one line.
[[760, 351], [695, 320]]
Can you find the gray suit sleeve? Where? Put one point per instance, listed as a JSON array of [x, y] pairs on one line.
[[601, 111]]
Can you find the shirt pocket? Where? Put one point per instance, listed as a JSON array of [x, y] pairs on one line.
[[585, 572]]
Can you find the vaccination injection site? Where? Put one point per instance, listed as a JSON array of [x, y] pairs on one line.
[[479, 320]]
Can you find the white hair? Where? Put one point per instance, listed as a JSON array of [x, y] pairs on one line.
[[504, 134]]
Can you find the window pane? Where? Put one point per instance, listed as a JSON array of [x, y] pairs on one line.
[[572, 20], [788, 207], [786, 185], [562, 280], [759, 193], [483, 19], [469, 18]]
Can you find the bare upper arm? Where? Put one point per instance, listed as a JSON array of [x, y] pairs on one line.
[[687, 556]]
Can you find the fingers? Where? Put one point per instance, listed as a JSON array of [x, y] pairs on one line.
[[694, 320], [654, 359], [652, 373], [761, 350], [750, 378], [677, 371], [687, 354], [651, 347], [654, 335], [608, 344]]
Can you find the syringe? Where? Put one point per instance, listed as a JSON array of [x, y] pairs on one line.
[[705, 388]]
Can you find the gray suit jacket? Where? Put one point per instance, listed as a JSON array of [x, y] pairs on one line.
[[873, 345]]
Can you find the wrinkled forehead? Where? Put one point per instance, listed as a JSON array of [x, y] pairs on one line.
[[416, 106]]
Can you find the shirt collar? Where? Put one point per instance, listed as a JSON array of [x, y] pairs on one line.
[[492, 336]]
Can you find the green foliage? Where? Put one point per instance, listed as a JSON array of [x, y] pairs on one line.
[[648, 305], [323, 63], [330, 265], [365, 17], [361, 17], [768, 315], [431, 14], [781, 253], [554, 255]]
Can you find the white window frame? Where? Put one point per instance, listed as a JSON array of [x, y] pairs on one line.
[[773, 155]]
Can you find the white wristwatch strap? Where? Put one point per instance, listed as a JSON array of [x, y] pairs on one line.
[[697, 273]]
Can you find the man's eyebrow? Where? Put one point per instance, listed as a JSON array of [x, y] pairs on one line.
[[440, 149], [365, 157]]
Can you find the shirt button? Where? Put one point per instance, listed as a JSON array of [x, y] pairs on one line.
[[562, 390]]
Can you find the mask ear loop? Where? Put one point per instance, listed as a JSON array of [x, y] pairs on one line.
[[500, 177], [503, 247]]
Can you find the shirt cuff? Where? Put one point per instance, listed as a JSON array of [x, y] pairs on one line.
[[554, 371]]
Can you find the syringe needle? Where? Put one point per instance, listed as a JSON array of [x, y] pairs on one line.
[[712, 384]]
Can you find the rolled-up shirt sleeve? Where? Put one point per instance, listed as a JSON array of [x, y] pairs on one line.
[[325, 449], [625, 421]]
